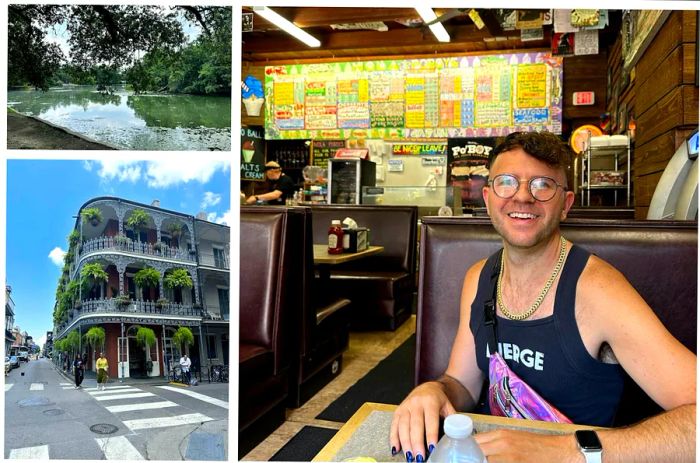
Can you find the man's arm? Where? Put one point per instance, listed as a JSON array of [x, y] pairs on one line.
[[269, 196], [608, 309], [417, 420]]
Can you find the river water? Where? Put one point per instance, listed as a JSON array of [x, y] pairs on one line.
[[133, 122]]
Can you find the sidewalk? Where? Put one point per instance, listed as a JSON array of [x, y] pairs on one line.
[[90, 379]]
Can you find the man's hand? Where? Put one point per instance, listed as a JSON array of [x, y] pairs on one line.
[[250, 200], [503, 446], [417, 420]]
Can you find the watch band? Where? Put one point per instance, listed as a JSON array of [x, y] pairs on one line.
[[592, 456]]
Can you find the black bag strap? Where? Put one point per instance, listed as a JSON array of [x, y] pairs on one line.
[[490, 306]]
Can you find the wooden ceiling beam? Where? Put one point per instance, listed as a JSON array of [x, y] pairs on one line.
[[362, 39]]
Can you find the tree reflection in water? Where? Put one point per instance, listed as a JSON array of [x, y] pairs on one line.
[[181, 122]]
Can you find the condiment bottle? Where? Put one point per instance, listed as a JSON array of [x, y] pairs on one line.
[[335, 238]]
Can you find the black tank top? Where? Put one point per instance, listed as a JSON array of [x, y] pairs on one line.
[[549, 353]]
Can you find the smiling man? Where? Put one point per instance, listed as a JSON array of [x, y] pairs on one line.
[[568, 325]]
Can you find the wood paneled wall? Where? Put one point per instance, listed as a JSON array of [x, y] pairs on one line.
[[665, 103]]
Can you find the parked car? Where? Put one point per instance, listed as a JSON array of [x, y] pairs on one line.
[[8, 365], [14, 361]]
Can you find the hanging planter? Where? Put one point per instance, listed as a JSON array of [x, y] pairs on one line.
[[92, 215]]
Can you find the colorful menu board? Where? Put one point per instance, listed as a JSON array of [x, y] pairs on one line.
[[468, 96]]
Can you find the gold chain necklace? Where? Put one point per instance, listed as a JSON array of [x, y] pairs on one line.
[[543, 293]]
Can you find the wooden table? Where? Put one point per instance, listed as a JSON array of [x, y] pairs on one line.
[[321, 256], [323, 260], [367, 432]]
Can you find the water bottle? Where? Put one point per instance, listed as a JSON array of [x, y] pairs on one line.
[[457, 445]]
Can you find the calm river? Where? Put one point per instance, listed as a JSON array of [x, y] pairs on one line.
[[134, 122]]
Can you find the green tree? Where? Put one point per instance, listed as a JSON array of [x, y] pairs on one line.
[[91, 215]]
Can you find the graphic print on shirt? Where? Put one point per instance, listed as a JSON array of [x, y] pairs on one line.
[[526, 357]]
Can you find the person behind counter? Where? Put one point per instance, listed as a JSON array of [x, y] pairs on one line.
[[281, 186], [589, 326]]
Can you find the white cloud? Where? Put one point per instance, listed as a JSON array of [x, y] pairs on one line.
[[162, 174], [210, 199], [120, 170], [87, 165], [225, 219], [56, 256]]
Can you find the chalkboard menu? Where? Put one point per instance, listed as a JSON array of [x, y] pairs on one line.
[[448, 97], [252, 153], [322, 150]]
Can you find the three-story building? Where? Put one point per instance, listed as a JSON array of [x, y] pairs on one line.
[[189, 257]]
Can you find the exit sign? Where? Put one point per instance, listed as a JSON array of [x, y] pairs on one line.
[[584, 98]]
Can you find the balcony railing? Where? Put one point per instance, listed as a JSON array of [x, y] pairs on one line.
[[214, 260], [122, 243], [131, 307]]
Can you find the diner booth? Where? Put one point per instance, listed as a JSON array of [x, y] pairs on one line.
[[387, 129]]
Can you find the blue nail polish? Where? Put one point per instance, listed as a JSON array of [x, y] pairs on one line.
[[431, 448], [419, 458], [409, 457], [393, 450]]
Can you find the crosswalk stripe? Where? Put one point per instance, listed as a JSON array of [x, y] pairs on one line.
[[118, 448], [68, 387], [140, 406], [40, 452], [124, 396], [167, 421], [36, 387], [90, 389], [8, 386], [114, 391], [198, 396], [64, 384]]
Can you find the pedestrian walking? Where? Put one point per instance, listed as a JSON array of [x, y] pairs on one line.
[[102, 376], [78, 370], [185, 364]]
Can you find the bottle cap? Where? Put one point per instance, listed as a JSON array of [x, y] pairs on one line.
[[458, 426], [335, 222]]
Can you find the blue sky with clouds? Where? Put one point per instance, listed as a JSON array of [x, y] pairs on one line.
[[43, 196]]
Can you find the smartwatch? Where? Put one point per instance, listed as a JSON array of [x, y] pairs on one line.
[[589, 445]]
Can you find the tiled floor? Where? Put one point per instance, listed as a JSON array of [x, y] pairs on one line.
[[365, 351]]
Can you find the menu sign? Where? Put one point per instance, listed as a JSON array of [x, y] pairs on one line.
[[446, 97], [322, 150], [252, 153]]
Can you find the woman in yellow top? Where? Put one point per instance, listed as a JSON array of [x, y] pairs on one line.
[[101, 365]]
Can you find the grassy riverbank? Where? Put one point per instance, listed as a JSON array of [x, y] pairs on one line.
[[29, 133]]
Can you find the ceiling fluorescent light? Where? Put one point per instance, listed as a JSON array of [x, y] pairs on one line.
[[287, 26], [437, 29]]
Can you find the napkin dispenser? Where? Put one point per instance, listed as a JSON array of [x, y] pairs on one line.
[[355, 239]]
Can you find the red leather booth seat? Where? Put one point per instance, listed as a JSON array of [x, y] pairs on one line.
[[270, 295], [381, 286], [659, 258]]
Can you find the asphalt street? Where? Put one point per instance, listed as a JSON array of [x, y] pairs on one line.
[[46, 417]]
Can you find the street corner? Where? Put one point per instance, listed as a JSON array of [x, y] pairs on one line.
[[204, 441], [209, 442]]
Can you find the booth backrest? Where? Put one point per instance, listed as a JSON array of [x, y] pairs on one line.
[[659, 258], [270, 276], [393, 227]]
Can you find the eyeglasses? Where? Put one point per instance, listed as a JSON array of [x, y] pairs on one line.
[[541, 188]]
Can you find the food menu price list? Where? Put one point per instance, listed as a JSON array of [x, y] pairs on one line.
[[322, 150], [420, 98]]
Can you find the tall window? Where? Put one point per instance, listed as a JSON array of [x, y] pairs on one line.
[[223, 302], [219, 258]]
